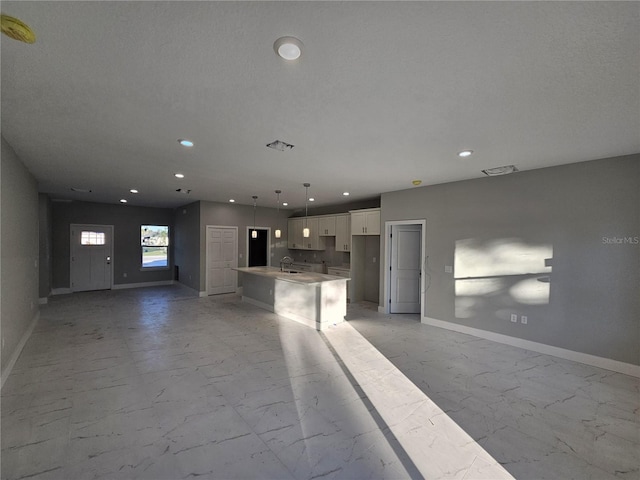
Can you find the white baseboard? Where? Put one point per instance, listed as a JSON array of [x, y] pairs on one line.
[[43, 300], [203, 294], [593, 360], [6, 371], [161, 283], [61, 291]]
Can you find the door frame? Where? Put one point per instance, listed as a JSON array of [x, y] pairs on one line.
[[246, 250], [91, 225], [387, 262], [206, 256]]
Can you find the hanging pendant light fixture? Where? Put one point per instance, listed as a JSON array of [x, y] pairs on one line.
[[278, 232], [305, 230], [254, 233]]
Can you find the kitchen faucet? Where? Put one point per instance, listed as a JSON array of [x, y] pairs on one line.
[[286, 261]]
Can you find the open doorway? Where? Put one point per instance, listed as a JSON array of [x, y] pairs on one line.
[[404, 264], [258, 248]]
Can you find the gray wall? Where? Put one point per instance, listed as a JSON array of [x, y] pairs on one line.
[[19, 251], [46, 244], [126, 220], [241, 216], [593, 305], [337, 208], [187, 244]]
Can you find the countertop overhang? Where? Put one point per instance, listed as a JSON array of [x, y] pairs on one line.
[[303, 278]]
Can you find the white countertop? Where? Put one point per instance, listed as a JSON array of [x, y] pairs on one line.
[[305, 278], [340, 267]]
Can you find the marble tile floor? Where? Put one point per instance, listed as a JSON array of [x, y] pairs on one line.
[[157, 383]]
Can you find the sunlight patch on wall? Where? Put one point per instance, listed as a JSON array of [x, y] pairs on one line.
[[478, 286], [531, 292], [499, 274], [505, 256]]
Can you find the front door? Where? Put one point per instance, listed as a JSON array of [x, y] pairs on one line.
[[405, 269], [91, 257], [222, 258]]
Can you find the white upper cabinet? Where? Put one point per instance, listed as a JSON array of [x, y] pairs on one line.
[[327, 226], [365, 222], [297, 241], [343, 233], [294, 233]]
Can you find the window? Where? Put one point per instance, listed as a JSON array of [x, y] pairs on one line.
[[155, 246], [92, 238]]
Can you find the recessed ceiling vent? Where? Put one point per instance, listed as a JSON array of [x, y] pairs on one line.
[[183, 190], [280, 145], [506, 170], [80, 190]]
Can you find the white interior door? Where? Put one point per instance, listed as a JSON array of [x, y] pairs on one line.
[[91, 257], [405, 269], [222, 258]]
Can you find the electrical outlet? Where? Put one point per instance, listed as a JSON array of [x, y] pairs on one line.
[[124, 274], [374, 259], [514, 318], [448, 269], [524, 319]]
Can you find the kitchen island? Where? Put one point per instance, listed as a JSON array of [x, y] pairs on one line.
[[313, 299]]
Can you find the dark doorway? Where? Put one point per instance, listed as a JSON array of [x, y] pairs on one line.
[[258, 248]]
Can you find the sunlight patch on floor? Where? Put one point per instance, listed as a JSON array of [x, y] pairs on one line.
[[438, 447]]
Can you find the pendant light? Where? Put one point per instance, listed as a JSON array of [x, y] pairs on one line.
[[305, 230], [278, 232], [254, 233]]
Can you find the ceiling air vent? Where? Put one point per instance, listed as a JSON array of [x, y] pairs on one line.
[[280, 145], [507, 169], [183, 190]]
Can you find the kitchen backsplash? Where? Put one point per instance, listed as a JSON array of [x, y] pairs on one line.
[[329, 256]]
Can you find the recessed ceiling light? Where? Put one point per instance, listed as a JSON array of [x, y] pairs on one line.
[[289, 48], [231, 200], [280, 145], [465, 153], [285, 204], [185, 143], [417, 182], [346, 194], [122, 200], [312, 199], [178, 175], [505, 170], [133, 190]]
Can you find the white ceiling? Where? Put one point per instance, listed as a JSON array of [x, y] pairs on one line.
[[384, 93]]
